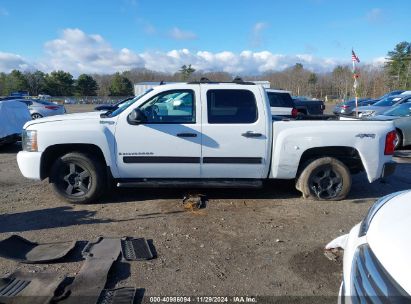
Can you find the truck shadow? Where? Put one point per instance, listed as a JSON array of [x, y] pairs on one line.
[[399, 181], [361, 190], [275, 189]]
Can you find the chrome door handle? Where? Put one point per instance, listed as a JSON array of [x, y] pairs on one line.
[[251, 134]]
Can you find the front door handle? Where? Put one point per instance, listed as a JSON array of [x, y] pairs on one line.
[[187, 135], [251, 134]]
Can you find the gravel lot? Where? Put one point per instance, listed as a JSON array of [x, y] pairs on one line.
[[265, 242]]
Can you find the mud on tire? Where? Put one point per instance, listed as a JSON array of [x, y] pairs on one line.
[[325, 178]]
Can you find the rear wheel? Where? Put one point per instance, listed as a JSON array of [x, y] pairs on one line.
[[78, 178], [325, 179]]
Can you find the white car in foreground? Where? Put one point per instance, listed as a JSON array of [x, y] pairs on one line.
[[377, 263]]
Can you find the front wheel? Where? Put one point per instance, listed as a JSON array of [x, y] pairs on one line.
[[78, 178], [325, 178]]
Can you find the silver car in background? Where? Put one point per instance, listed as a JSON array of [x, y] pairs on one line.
[[383, 105], [41, 108]]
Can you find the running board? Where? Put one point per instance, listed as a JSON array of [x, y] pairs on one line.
[[189, 183]]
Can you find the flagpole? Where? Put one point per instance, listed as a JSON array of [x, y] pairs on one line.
[[355, 83]]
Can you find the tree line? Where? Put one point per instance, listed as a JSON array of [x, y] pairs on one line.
[[337, 84]]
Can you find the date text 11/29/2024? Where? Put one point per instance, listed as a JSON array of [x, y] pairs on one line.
[[203, 299]]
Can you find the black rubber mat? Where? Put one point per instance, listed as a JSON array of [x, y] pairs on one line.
[[90, 281], [136, 249], [19, 249], [117, 296], [36, 288]]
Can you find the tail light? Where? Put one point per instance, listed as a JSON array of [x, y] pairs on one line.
[[294, 113], [390, 143], [52, 107], [344, 107]]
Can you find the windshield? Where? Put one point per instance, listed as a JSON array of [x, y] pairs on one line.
[[387, 102], [126, 104], [401, 110]]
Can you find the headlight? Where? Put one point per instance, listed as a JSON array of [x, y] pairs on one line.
[[29, 140], [371, 283], [365, 224]]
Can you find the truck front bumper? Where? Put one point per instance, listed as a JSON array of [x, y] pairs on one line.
[[388, 169], [29, 164]]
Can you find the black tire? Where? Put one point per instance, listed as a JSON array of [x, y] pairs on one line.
[[325, 179], [398, 144], [78, 178]]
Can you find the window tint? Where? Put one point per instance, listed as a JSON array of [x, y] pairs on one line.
[[231, 106], [170, 107], [280, 100]]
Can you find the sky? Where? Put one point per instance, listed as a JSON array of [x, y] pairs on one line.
[[238, 37]]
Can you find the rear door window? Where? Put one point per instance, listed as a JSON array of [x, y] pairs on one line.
[[280, 100], [231, 107]]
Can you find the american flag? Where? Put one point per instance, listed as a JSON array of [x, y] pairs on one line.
[[354, 57]]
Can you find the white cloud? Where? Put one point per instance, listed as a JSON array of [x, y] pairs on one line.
[[77, 52], [10, 62], [257, 34], [178, 34], [376, 15], [379, 61]]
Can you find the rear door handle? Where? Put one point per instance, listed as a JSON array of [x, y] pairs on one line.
[[251, 134], [187, 135]]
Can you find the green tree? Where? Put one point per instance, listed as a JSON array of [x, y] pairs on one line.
[[86, 86], [15, 81], [59, 83], [186, 72], [398, 66], [35, 82], [3, 77], [120, 86]]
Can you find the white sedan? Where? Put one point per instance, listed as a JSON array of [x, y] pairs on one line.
[[377, 261]]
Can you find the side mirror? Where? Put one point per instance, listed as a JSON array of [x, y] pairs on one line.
[[136, 117]]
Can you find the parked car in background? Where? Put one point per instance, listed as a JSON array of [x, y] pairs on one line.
[[348, 107], [383, 105], [112, 107], [392, 93], [13, 116], [41, 108], [401, 116], [308, 106], [377, 254], [281, 103]]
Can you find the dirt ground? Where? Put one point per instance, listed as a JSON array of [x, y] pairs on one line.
[[265, 242]]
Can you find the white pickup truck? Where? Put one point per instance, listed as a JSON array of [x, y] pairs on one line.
[[201, 135]]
